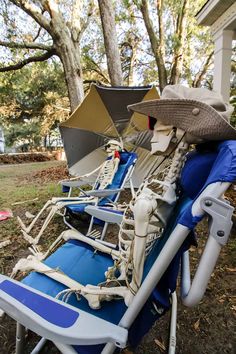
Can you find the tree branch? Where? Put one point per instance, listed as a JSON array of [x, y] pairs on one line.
[[155, 42], [198, 79], [25, 45], [32, 59], [34, 12], [84, 24], [179, 47]]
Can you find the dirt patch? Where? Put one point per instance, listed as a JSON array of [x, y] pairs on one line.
[[52, 174], [24, 158]]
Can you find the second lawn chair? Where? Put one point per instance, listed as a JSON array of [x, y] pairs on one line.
[[111, 180]]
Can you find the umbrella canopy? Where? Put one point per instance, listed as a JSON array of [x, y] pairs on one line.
[[103, 115]]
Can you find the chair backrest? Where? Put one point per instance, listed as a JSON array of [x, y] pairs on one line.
[[162, 264], [200, 170], [124, 172]]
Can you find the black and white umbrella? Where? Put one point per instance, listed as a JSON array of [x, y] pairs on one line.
[[101, 116]]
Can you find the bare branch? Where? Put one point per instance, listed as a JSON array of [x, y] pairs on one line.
[[198, 79], [75, 20], [32, 59], [25, 45], [84, 24], [34, 12], [37, 35]]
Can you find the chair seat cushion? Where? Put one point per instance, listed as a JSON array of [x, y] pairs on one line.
[[79, 262]]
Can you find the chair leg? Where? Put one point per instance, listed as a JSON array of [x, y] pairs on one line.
[[20, 338], [90, 226], [109, 348], [65, 349], [104, 230], [173, 323], [39, 346]]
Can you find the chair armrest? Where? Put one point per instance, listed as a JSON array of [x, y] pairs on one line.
[[74, 183], [103, 192], [220, 225], [105, 214], [55, 320]]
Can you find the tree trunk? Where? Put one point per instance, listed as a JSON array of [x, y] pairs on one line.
[[110, 42], [156, 44], [177, 67], [69, 52]]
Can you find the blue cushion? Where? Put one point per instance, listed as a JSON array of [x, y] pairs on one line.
[[221, 168], [79, 261], [196, 171]]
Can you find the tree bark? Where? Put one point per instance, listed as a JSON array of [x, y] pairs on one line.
[[67, 46], [110, 41], [69, 53], [180, 46], [157, 45]]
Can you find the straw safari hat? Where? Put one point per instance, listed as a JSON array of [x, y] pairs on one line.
[[197, 111]]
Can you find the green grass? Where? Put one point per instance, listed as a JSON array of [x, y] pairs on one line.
[[16, 185]]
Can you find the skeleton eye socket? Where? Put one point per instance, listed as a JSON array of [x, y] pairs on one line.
[[151, 122]]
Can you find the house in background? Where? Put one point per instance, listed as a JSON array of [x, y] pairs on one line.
[[220, 15]]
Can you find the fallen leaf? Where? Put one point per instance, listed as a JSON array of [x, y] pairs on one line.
[[196, 325], [160, 344], [231, 269]]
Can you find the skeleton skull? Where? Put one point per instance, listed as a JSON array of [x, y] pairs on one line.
[[113, 145], [166, 137]]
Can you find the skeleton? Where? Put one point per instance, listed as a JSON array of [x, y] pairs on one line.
[[143, 222], [107, 171]]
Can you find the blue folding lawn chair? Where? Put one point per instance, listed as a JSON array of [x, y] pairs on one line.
[[75, 212], [76, 328], [73, 207]]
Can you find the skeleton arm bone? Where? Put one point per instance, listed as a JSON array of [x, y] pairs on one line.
[[83, 176]]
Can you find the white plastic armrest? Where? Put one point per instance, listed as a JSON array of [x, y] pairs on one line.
[[74, 183], [108, 215], [103, 192]]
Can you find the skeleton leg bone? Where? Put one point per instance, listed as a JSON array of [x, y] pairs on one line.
[[143, 208], [57, 204], [93, 294], [75, 235], [28, 228], [54, 210], [35, 240]]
